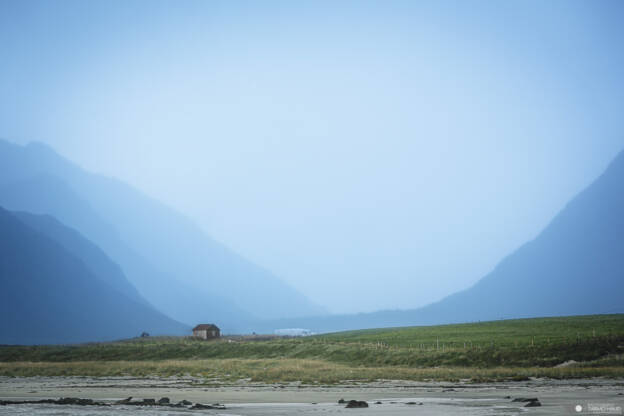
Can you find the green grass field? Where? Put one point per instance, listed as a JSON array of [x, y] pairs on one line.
[[497, 350]]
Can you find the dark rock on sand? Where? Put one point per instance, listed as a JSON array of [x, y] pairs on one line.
[[356, 404], [208, 406], [124, 401], [201, 406], [62, 401], [75, 401], [534, 403], [164, 400]]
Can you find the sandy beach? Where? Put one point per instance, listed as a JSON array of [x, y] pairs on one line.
[[383, 397]]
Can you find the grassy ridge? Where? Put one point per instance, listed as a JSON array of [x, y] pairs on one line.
[[503, 333], [521, 347]]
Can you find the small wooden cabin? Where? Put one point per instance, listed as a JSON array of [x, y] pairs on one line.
[[206, 331]]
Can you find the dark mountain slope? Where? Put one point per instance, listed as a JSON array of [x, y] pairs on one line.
[[92, 256], [51, 296], [168, 241], [45, 194], [575, 266]]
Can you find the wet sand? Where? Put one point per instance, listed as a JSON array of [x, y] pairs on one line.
[[245, 398]]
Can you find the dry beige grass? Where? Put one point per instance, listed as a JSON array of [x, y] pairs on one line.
[[287, 370]]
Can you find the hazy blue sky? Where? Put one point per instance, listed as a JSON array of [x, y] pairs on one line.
[[374, 154]]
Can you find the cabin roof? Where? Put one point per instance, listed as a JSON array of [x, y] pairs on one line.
[[208, 327]]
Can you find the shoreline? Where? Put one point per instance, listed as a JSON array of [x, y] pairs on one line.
[[557, 397]]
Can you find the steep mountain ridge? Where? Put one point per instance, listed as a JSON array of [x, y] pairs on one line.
[[92, 256], [48, 195], [167, 244], [574, 266], [50, 295]]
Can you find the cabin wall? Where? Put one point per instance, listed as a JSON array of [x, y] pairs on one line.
[[201, 334], [206, 334]]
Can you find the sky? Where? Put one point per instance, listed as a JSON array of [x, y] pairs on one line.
[[375, 155]]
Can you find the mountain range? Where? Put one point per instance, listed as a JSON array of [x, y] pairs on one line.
[[84, 257], [172, 263], [575, 266]]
